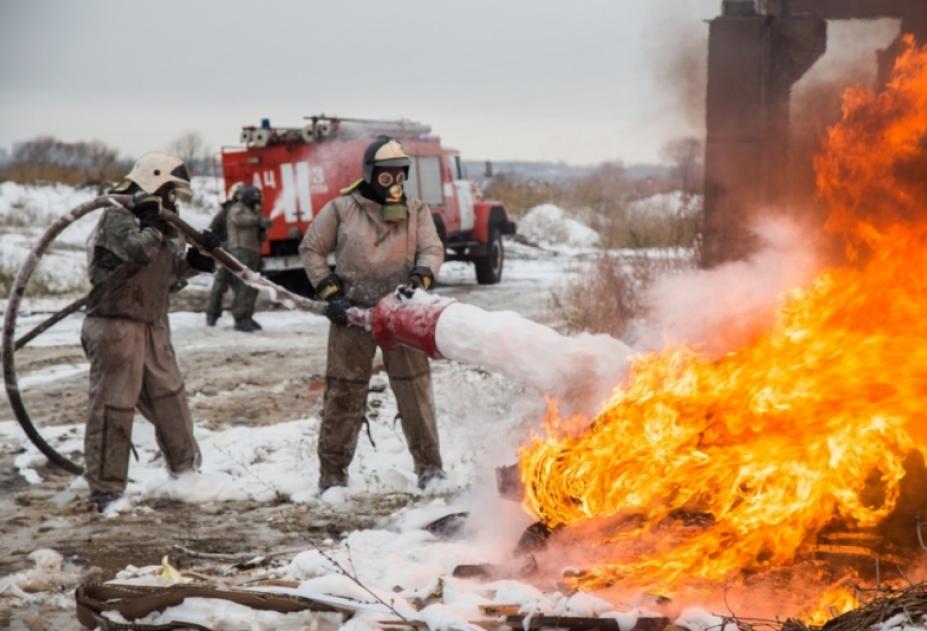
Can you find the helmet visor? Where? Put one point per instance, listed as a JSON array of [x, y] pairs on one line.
[[181, 172], [402, 163]]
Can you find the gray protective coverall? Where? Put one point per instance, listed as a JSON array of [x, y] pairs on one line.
[[222, 279], [127, 340], [244, 244], [372, 257]]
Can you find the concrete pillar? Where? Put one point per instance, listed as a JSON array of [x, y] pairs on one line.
[[753, 61]]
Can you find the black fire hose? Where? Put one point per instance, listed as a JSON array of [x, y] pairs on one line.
[[9, 347], [17, 291]]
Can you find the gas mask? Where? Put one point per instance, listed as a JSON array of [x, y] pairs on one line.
[[251, 197], [173, 195], [388, 186]]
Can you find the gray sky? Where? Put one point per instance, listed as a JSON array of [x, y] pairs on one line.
[[581, 81]]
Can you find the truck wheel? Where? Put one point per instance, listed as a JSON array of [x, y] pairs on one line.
[[489, 267]]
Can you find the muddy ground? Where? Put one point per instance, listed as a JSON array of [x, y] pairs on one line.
[[272, 379]]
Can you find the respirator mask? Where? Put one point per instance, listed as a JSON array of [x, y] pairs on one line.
[[388, 185]]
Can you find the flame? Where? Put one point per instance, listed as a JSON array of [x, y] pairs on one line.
[[834, 601], [700, 468]]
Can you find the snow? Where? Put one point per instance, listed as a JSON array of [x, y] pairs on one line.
[[899, 622], [674, 204], [48, 574], [222, 614], [697, 619], [549, 225]]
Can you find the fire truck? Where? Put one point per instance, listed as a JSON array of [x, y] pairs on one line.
[[300, 169]]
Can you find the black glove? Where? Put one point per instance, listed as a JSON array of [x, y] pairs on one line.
[[421, 277], [331, 289], [199, 261], [148, 210], [209, 240], [337, 309]]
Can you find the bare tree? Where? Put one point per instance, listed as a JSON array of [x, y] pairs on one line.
[[686, 157], [191, 148]]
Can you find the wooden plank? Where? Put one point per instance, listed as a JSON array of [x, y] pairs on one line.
[[500, 610]]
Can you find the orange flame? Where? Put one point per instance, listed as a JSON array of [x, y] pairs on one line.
[[762, 448]]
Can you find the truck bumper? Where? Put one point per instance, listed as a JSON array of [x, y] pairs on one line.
[[281, 263]]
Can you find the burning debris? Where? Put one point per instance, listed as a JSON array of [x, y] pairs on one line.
[[702, 473]]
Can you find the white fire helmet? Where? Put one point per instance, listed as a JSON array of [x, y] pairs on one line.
[[154, 170], [233, 190], [384, 152]]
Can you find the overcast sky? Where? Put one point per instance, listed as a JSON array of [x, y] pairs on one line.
[[581, 81]]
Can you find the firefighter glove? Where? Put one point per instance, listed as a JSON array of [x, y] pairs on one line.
[[329, 287], [209, 240], [200, 262], [148, 210], [421, 277], [337, 309]]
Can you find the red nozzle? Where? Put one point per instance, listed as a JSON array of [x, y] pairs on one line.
[[408, 322]]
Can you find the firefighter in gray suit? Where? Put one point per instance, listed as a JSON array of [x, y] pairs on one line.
[[135, 259], [380, 240]]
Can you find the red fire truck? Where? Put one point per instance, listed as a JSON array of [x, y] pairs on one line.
[[300, 169]]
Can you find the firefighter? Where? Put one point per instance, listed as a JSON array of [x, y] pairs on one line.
[[246, 227], [222, 279], [135, 259], [380, 239]]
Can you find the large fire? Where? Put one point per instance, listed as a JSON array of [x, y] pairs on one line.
[[699, 469]]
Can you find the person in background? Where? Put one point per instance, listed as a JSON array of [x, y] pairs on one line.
[[246, 226], [222, 279]]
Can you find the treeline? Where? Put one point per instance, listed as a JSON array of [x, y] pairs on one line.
[[48, 160]]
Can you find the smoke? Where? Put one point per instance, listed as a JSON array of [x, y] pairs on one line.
[[682, 66], [724, 308]]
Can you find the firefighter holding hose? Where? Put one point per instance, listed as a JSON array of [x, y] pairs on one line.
[[135, 260], [381, 240]]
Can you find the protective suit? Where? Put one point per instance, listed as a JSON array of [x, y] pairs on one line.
[[246, 230], [127, 340], [372, 256]]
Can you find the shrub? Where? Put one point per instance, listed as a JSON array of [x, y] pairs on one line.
[[609, 296], [47, 159]]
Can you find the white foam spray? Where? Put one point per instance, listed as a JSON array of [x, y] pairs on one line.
[[584, 368]]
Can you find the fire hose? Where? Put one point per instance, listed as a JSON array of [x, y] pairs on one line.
[[388, 334], [527, 352]]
